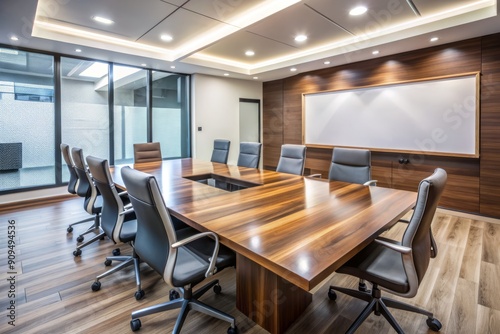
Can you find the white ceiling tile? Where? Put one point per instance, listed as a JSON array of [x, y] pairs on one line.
[[299, 19], [131, 18]]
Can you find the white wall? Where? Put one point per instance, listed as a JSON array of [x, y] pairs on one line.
[[215, 107]]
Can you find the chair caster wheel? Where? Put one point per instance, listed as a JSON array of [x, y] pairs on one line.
[[78, 252], [139, 295], [332, 295], [135, 325], [69, 229], [363, 288], [172, 295], [232, 330], [217, 289], [96, 286], [101, 238], [434, 324], [107, 263], [80, 238], [116, 252]]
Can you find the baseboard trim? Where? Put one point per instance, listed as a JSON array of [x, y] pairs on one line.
[[35, 201]]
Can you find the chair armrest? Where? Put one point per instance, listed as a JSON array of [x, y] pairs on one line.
[[314, 175], [406, 221], [211, 267], [126, 211], [370, 183], [393, 245]]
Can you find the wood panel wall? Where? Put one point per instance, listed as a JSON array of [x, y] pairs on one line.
[[473, 184]]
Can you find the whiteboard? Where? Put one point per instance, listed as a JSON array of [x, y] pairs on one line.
[[435, 116]]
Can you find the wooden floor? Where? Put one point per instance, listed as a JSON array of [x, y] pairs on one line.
[[53, 294]]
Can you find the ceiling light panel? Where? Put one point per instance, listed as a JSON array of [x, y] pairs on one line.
[[299, 19], [184, 33], [102, 20], [231, 46], [426, 7], [240, 13], [360, 10], [381, 14], [80, 13]]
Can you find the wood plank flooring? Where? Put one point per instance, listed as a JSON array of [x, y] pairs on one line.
[[53, 294]]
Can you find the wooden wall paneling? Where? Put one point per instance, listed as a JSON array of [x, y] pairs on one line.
[[382, 168], [292, 110], [490, 127], [318, 161], [462, 191], [462, 188], [272, 120]]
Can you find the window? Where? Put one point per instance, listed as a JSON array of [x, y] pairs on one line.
[[171, 114], [38, 93], [27, 120], [130, 111], [148, 106], [84, 107]]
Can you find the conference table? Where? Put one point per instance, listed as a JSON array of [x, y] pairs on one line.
[[289, 232]]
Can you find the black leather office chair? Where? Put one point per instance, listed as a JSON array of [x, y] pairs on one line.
[[119, 227], [147, 152], [221, 151], [351, 165], [93, 200], [398, 267], [183, 257], [73, 181], [292, 159], [249, 154]]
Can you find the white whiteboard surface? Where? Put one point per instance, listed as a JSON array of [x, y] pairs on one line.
[[438, 116]]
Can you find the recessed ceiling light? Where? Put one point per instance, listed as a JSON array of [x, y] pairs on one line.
[[249, 53], [255, 78], [375, 52], [103, 20], [143, 64], [434, 39], [358, 10], [172, 66], [293, 69], [78, 50], [166, 38], [327, 62], [226, 74], [300, 38], [14, 38]]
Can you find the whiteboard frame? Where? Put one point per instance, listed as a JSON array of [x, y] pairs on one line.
[[476, 75]]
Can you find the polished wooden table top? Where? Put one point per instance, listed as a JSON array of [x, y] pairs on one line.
[[300, 228]]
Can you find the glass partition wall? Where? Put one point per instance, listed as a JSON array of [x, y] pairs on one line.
[[84, 107], [46, 99], [27, 120]]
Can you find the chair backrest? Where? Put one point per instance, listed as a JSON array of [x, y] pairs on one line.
[[249, 154], [73, 177], [418, 233], [221, 151], [292, 159], [112, 204], [155, 232], [147, 152], [86, 187], [350, 165]]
